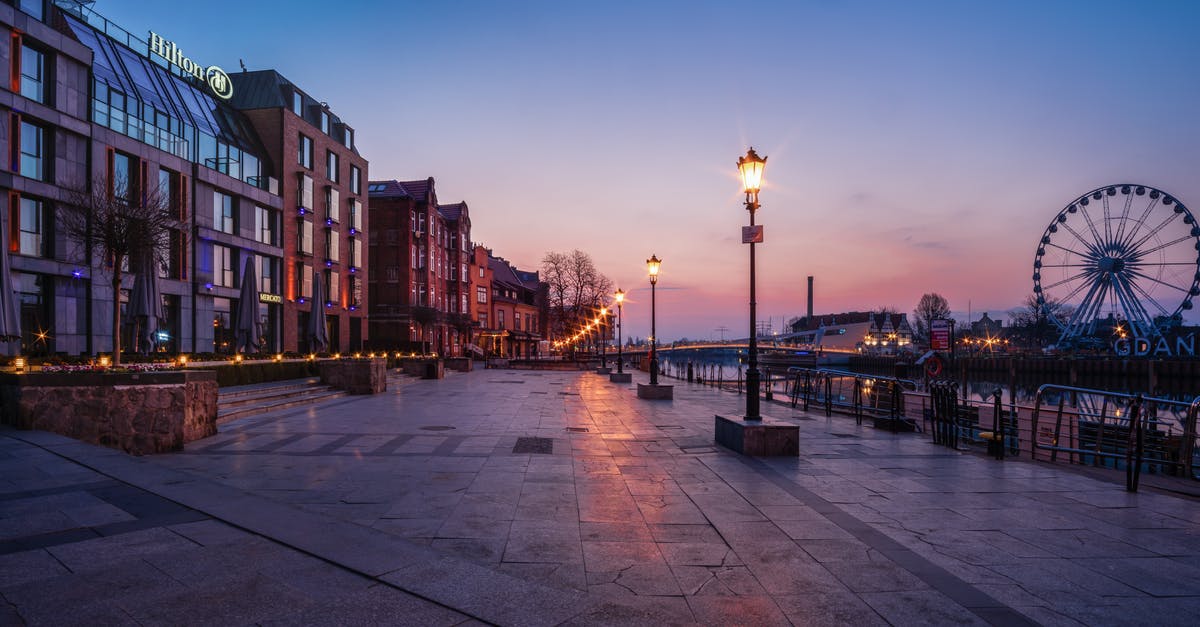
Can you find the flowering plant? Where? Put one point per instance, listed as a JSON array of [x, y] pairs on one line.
[[135, 367]]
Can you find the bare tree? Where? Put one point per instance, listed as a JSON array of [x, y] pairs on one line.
[[1034, 323], [577, 288], [932, 306], [117, 219]]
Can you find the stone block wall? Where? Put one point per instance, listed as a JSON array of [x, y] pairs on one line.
[[355, 376], [140, 414], [424, 368], [460, 364]]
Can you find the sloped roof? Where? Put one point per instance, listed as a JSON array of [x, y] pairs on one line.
[[387, 189], [419, 190], [452, 211]]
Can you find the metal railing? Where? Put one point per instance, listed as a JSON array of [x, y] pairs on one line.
[[1110, 429], [854, 393]]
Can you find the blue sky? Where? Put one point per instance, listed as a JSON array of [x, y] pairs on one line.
[[912, 147]]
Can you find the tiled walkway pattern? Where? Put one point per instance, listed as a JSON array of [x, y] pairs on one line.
[[618, 510]]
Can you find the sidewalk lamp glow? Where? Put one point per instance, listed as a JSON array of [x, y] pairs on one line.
[[652, 266]]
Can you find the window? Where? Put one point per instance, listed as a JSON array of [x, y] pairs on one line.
[[465, 277], [266, 274], [304, 151], [412, 249], [355, 292], [453, 273], [464, 303], [332, 204], [297, 103], [481, 272], [171, 190], [33, 74], [33, 159], [483, 319], [412, 219], [500, 319], [348, 138], [304, 238], [421, 258], [331, 286], [122, 175], [356, 217], [304, 280], [223, 212], [325, 122], [306, 192], [392, 274], [481, 295], [31, 7], [30, 218], [420, 222], [331, 165], [355, 180], [222, 266], [264, 226], [517, 321], [355, 253], [331, 245]]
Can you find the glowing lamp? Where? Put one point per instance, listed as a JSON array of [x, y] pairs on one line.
[[751, 169], [652, 266]]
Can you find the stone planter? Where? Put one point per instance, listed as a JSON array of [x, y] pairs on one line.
[[355, 376], [139, 413], [460, 364], [424, 368]]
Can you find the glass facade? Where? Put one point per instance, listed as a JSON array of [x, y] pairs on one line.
[[136, 96]]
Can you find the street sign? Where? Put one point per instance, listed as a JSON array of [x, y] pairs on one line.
[[752, 234], [939, 334]]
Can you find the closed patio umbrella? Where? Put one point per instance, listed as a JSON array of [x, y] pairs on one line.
[[245, 325], [317, 336], [10, 319], [145, 302]]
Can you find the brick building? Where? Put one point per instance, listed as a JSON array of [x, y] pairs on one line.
[[326, 219], [517, 315], [420, 253]]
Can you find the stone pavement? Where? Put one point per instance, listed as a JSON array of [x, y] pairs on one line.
[[531, 498]]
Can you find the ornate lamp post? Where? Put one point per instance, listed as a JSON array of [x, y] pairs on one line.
[[620, 296], [600, 320], [652, 264], [751, 168]]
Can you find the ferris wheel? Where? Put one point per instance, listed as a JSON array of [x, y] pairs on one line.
[[1127, 251]]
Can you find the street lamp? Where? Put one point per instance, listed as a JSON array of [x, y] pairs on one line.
[[751, 168], [620, 296], [652, 264], [603, 337]]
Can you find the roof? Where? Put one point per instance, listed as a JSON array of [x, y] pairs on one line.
[[453, 211], [268, 89], [387, 189], [419, 190]]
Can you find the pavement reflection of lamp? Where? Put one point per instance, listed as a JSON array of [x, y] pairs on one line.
[[104, 361], [183, 359], [620, 296], [19, 364], [652, 265], [751, 169]]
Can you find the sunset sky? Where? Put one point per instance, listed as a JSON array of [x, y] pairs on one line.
[[912, 146]]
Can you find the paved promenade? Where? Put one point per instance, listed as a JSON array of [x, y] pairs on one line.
[[544, 498]]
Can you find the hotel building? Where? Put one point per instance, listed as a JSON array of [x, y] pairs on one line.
[[85, 104]]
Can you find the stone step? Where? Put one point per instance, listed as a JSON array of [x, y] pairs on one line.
[[227, 414], [239, 391], [269, 395]]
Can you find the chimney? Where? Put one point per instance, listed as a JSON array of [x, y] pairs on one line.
[[810, 290]]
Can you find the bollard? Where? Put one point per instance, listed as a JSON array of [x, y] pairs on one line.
[[768, 386]]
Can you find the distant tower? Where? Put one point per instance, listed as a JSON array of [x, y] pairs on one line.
[[810, 296]]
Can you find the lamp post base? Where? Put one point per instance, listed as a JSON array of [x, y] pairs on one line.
[[655, 392], [758, 438]]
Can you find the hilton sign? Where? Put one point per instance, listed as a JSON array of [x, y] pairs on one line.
[[213, 76]]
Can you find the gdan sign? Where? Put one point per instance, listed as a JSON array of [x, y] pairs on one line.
[[216, 78], [1185, 346]]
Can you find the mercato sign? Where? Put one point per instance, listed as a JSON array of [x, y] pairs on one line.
[[1185, 346]]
